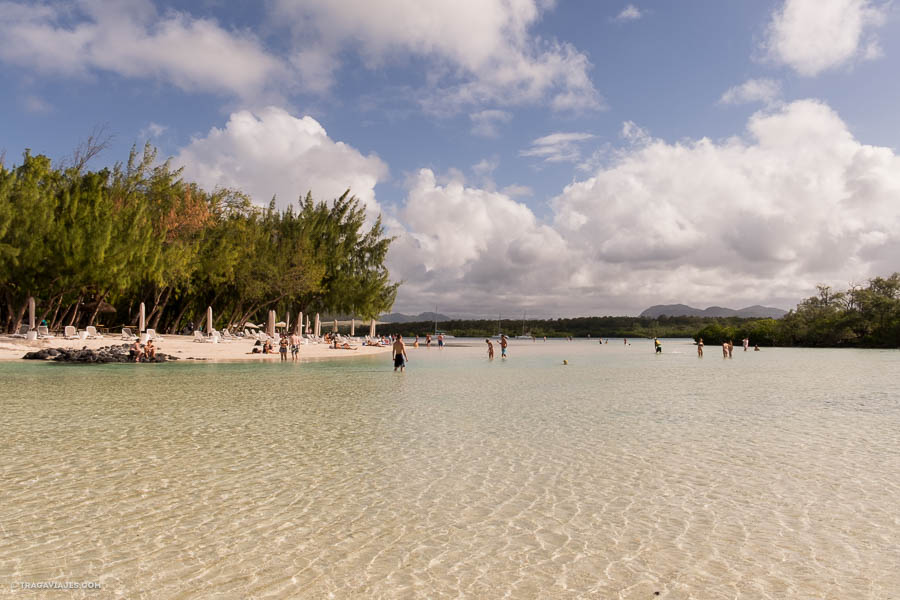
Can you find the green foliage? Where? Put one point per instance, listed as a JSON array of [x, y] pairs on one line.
[[78, 240]]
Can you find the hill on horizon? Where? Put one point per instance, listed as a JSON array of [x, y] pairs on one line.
[[683, 310], [402, 318]]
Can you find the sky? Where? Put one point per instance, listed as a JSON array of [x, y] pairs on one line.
[[553, 158]]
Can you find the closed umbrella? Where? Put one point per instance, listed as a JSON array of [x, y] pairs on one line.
[[270, 328], [334, 327], [372, 329], [352, 327], [308, 329], [209, 323], [317, 328], [31, 313], [299, 325], [142, 319], [287, 324]]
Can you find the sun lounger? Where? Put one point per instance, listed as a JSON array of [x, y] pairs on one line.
[[127, 335], [23, 332], [152, 335], [43, 332], [212, 338], [92, 332], [70, 333]]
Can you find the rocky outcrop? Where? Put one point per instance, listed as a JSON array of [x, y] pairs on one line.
[[107, 354]]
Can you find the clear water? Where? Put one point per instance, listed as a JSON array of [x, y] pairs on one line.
[[772, 475]]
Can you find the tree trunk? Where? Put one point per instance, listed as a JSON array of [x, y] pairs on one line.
[[174, 328], [100, 300], [160, 306], [75, 311], [17, 319]]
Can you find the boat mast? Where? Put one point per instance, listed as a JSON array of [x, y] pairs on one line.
[[435, 320]]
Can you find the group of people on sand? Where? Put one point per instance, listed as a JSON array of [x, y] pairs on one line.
[[139, 351], [727, 347], [440, 340], [504, 344]]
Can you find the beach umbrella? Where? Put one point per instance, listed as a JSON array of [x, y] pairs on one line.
[[209, 323], [270, 328], [308, 330], [317, 328], [372, 329], [334, 327], [250, 326], [31, 313], [280, 324], [142, 319], [287, 324], [352, 327], [299, 326]]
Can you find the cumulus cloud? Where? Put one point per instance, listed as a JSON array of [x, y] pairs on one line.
[[271, 152], [479, 51], [153, 130], [557, 147], [752, 90], [629, 13], [761, 217], [811, 36], [132, 40]]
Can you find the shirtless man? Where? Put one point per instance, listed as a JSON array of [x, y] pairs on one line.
[[503, 344], [399, 354]]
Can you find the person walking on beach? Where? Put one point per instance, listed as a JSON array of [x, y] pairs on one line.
[[503, 344], [490, 346], [700, 347], [399, 354], [428, 340], [295, 346], [440, 340]]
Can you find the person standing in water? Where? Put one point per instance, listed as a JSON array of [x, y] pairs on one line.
[[440, 340], [503, 344], [658, 345], [399, 350], [700, 347], [428, 340], [490, 346], [724, 349], [746, 342], [416, 343]]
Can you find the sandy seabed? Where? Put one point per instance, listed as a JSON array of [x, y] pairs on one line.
[[184, 347]]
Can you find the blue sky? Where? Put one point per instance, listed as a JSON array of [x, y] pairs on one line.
[[564, 158]]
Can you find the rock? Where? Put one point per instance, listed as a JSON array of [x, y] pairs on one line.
[[104, 355]]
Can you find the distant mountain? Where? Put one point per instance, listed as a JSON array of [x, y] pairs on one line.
[[401, 318], [683, 310]]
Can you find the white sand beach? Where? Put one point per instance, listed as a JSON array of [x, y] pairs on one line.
[[184, 347]]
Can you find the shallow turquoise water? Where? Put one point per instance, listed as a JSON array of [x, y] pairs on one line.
[[771, 475]]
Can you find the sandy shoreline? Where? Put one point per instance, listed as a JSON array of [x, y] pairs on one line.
[[184, 347]]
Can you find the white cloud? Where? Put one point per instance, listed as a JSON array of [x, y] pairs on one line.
[[479, 51], [752, 90], [132, 40], [37, 105], [557, 147], [761, 217], [629, 13], [485, 123], [811, 36], [271, 152], [152, 130]]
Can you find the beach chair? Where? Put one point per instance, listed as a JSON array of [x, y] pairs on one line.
[[43, 332], [92, 332], [198, 336], [227, 337], [127, 335], [22, 333], [152, 335], [70, 333]]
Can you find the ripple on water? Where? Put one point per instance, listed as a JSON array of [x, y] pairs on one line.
[[773, 475]]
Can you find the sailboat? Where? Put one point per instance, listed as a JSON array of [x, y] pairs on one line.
[[499, 332], [524, 336], [436, 332]]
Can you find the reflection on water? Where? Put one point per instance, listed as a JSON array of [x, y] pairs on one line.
[[772, 475]]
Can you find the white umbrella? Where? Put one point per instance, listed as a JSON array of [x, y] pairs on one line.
[[31, 313], [352, 327], [299, 325], [209, 323], [317, 328], [334, 327], [372, 329], [270, 328], [287, 325], [280, 324], [142, 319], [308, 329], [250, 326]]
